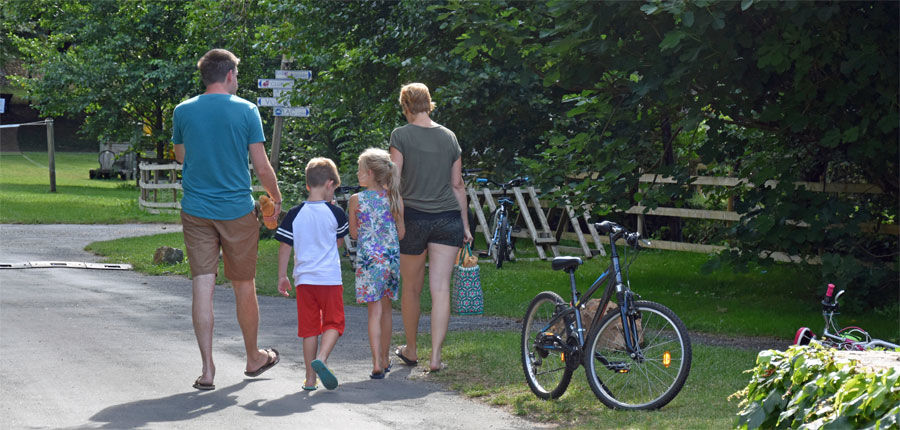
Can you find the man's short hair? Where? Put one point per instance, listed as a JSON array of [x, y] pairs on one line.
[[215, 65], [319, 170]]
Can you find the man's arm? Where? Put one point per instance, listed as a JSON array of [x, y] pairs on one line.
[[179, 153], [266, 175]]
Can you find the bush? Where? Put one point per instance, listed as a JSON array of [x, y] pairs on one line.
[[808, 387]]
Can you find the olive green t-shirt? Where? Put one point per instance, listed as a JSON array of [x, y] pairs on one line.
[[428, 155]]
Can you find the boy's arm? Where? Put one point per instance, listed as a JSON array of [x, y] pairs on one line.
[[284, 256], [352, 205]]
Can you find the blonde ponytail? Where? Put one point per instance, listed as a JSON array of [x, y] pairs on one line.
[[386, 174]]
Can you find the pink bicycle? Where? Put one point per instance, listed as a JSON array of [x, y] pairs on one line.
[[848, 338]]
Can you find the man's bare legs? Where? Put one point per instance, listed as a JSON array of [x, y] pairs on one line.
[[440, 269], [248, 319], [202, 315], [412, 275]]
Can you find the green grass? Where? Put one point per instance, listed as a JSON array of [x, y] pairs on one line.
[[703, 403], [771, 302], [25, 196]]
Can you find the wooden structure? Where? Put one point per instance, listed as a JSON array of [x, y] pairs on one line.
[[160, 186], [536, 221]]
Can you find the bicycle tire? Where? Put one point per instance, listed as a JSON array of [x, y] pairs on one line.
[[503, 243], [493, 245], [545, 368], [621, 381]]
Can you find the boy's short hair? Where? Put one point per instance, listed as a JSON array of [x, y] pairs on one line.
[[215, 64], [319, 170]]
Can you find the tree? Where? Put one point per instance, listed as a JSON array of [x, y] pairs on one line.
[[783, 92]]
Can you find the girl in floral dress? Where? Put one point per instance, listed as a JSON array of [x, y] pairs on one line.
[[376, 222]]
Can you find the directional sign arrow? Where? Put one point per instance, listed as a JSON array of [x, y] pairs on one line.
[[288, 74], [271, 102], [292, 111], [275, 83]]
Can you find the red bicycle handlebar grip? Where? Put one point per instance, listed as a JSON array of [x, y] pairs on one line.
[[830, 290]]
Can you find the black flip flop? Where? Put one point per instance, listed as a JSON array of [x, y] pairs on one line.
[[268, 365], [406, 361], [201, 386]]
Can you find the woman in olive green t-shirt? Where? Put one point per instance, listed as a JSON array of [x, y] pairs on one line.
[[435, 215]]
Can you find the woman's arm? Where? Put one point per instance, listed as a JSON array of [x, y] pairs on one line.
[[459, 190], [397, 158], [401, 225], [352, 206]]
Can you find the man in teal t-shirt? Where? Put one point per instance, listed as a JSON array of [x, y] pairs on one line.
[[214, 133]]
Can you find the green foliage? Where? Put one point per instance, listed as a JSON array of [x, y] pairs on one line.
[[806, 387], [782, 92]]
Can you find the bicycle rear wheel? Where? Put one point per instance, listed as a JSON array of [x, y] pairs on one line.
[[653, 377], [503, 243], [542, 357]]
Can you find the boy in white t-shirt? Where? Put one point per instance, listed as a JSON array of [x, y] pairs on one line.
[[315, 229]]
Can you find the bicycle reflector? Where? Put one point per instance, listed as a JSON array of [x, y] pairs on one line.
[[667, 359]]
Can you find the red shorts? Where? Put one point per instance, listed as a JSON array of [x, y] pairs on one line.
[[319, 308]]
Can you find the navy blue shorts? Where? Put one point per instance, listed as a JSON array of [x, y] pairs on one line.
[[422, 228]]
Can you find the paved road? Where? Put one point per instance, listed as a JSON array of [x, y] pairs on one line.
[[86, 348]]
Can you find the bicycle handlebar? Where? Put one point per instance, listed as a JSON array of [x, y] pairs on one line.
[[346, 189], [616, 231], [513, 183]]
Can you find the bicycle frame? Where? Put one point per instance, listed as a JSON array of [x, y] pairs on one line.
[[624, 295], [848, 338]]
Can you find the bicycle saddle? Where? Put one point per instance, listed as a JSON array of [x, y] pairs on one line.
[[565, 263]]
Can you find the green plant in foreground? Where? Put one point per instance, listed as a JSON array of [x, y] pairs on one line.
[[810, 388]]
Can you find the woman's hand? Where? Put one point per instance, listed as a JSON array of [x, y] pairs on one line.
[[467, 235]]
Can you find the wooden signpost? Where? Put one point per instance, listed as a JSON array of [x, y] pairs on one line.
[[282, 83]]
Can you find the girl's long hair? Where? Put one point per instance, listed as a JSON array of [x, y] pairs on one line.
[[386, 175]]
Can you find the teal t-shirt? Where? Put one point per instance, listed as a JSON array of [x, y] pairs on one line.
[[216, 131]]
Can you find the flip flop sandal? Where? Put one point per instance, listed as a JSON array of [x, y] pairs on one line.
[[201, 386], [406, 361], [377, 375], [270, 362], [325, 375], [310, 388]]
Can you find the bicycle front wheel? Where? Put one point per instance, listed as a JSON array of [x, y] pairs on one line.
[[543, 359], [648, 378]]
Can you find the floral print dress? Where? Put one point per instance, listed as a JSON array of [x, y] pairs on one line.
[[378, 249]]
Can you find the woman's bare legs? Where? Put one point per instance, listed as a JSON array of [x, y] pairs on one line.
[[440, 269], [412, 275]]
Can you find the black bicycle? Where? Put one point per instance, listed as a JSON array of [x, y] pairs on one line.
[[637, 356], [501, 244]]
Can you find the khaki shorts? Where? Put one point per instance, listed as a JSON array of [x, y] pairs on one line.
[[238, 238]]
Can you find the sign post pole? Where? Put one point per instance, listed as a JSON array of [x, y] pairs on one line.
[[279, 124]]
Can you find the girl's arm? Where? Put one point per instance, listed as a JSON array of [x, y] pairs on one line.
[[284, 256], [459, 190], [352, 206]]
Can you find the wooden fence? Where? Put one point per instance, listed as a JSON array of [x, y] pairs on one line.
[[544, 226]]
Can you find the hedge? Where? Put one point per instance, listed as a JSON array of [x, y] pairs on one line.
[[811, 387]]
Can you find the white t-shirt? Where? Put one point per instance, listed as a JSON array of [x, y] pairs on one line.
[[313, 228]]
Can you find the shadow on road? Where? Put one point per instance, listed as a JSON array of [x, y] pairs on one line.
[[178, 407]]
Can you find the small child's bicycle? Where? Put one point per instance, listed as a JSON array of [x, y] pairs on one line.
[[848, 338], [637, 356]]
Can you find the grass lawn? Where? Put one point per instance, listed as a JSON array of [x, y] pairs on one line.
[[25, 195], [703, 403]]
